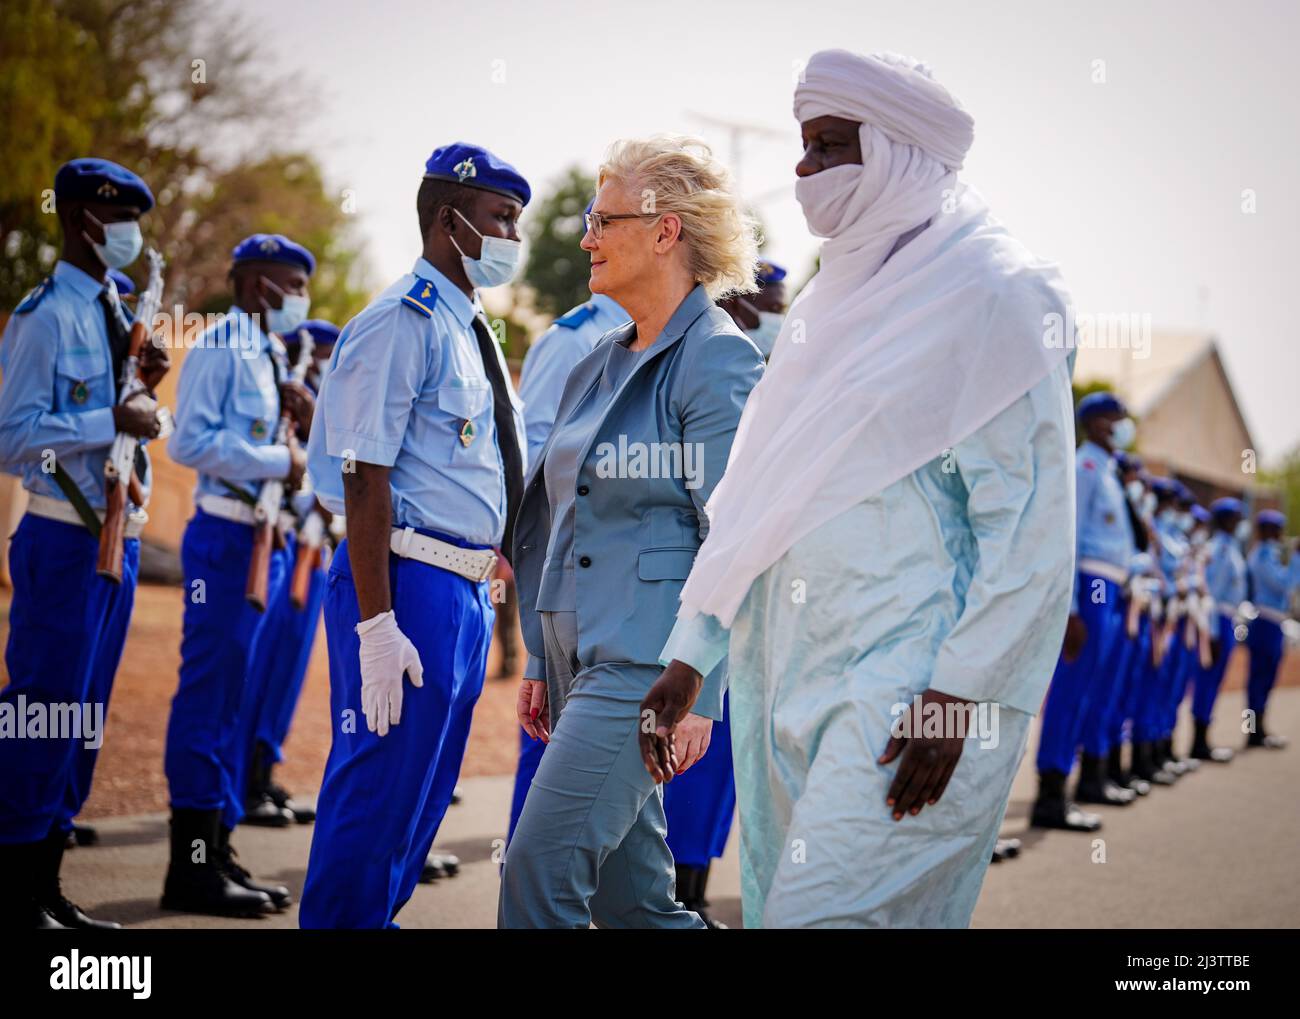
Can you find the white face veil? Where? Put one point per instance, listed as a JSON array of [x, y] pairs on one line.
[[886, 358]]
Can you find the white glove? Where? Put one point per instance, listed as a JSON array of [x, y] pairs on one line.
[[386, 656]]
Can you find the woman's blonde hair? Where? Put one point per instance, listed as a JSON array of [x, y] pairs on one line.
[[677, 174]]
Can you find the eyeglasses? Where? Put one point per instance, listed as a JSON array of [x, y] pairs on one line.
[[596, 220]]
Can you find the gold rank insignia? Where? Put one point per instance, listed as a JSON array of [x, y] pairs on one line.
[[467, 432], [107, 190], [465, 168], [80, 391], [258, 430]]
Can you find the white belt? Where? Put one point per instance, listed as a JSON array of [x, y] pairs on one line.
[[1228, 611], [227, 508], [1272, 615], [475, 564], [63, 511], [1101, 568]]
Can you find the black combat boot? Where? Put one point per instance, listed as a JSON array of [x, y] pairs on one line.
[[1053, 810], [439, 864], [1122, 776], [49, 892], [278, 894], [196, 881], [1202, 751], [20, 906], [260, 808], [1147, 768], [1095, 785], [1261, 737], [691, 883]]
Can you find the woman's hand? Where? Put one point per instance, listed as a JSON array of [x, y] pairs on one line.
[[693, 735], [532, 709]]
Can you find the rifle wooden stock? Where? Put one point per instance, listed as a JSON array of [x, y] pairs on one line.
[[303, 565], [1203, 648], [259, 566], [112, 534]]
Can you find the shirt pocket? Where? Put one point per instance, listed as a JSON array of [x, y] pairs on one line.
[[254, 412], [664, 563], [83, 381], [466, 403]]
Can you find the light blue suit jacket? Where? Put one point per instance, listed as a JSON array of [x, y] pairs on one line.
[[636, 534]]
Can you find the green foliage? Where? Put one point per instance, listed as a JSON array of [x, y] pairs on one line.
[[558, 270], [166, 89], [1285, 479]]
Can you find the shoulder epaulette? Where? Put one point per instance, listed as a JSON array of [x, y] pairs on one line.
[[35, 296], [422, 297], [574, 318]]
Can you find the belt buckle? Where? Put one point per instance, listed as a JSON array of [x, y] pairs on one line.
[[489, 568]]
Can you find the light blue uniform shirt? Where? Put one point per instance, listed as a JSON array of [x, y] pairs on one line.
[[401, 384], [550, 359], [1225, 573], [1268, 577], [1173, 547], [228, 408], [58, 391]]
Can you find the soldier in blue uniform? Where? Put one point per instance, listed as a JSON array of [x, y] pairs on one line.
[[232, 393], [760, 314], [1225, 580], [1104, 538], [547, 364], [62, 356], [1271, 591], [419, 438], [284, 654]]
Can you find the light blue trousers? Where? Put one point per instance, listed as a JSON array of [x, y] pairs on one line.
[[590, 841]]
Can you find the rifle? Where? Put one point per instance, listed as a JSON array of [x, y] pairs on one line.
[[266, 512], [310, 538], [120, 481]]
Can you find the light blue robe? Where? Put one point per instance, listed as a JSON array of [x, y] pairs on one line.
[[956, 578]]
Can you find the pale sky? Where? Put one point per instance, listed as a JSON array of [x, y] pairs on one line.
[[1133, 184]]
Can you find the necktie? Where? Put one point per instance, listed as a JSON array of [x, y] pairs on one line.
[[119, 335], [507, 440]]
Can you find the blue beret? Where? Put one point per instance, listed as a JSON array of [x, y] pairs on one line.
[[1127, 462], [1200, 514], [476, 167], [1164, 486], [1226, 507], [273, 248], [1273, 517], [123, 282], [769, 272], [1100, 403], [323, 333], [99, 180]]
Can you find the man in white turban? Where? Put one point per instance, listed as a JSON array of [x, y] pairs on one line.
[[891, 551]]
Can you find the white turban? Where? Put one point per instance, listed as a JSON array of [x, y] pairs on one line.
[[894, 93]]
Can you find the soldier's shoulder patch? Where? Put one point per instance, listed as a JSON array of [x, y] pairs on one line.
[[35, 296], [1088, 464], [577, 316], [422, 297]]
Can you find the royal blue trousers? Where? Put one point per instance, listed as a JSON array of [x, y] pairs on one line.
[[383, 798], [220, 632], [1208, 680], [701, 804], [67, 628], [1265, 643], [1075, 683], [1106, 702]]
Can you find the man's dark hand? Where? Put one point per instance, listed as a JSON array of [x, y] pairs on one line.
[[298, 403], [138, 417], [667, 703], [1076, 635], [155, 362], [928, 760]]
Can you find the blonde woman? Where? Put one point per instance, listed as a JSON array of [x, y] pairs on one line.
[[612, 515]]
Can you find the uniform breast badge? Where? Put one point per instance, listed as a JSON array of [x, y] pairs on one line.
[[80, 391], [467, 432], [258, 430]]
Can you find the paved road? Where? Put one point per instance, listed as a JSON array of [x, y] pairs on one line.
[[1217, 850]]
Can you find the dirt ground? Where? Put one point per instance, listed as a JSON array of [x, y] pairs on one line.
[[129, 779]]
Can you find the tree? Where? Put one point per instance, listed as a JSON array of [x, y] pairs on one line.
[[166, 89], [558, 270]]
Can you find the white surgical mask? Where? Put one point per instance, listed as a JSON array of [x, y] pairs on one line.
[[826, 198], [498, 259], [1122, 433], [1136, 490], [122, 242], [1186, 521], [291, 313], [1242, 533]]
